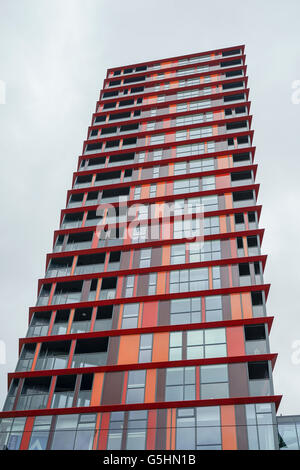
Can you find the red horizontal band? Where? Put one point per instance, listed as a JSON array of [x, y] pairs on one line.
[[146, 366], [145, 406], [149, 329]]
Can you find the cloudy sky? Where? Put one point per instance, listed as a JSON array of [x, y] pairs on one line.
[[53, 59]]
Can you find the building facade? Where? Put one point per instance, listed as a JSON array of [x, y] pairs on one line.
[[150, 329]]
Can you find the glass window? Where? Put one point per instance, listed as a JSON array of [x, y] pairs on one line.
[[142, 213], [145, 258], [84, 439], [180, 168], [141, 157], [191, 149], [181, 107], [137, 430], [145, 351], [215, 335], [208, 183], [207, 343], [201, 132], [152, 284], [186, 186], [189, 119], [195, 346], [181, 135], [175, 350], [211, 146], [210, 203], [136, 386], [209, 438], [185, 311], [157, 139], [216, 275], [187, 94], [85, 432], [63, 440], [129, 286], [208, 416], [137, 192], [157, 154], [185, 71], [204, 251], [115, 430], [180, 383], [185, 429], [206, 91], [139, 234], [200, 104], [11, 432], [156, 171], [151, 126], [40, 433], [211, 225], [208, 426], [214, 381], [213, 391], [178, 254], [288, 436], [260, 426], [214, 373], [185, 280], [204, 164], [187, 228], [160, 98], [130, 315], [152, 192]]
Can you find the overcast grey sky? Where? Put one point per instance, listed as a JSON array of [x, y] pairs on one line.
[[53, 59]]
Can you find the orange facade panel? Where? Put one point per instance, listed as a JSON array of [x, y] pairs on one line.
[[129, 349], [235, 341], [228, 428], [160, 347]]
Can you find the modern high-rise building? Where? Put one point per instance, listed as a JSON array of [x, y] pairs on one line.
[[150, 329]]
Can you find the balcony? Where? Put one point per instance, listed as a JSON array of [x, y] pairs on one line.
[[256, 347], [117, 160], [39, 324], [66, 298], [73, 220], [92, 164], [89, 360], [79, 241], [75, 200], [241, 178], [67, 292], [243, 199], [84, 181], [104, 318], [26, 358], [90, 353], [59, 267], [111, 177], [88, 264], [107, 294], [115, 195], [242, 159], [53, 355]]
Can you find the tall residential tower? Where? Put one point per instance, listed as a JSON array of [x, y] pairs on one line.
[[150, 329]]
